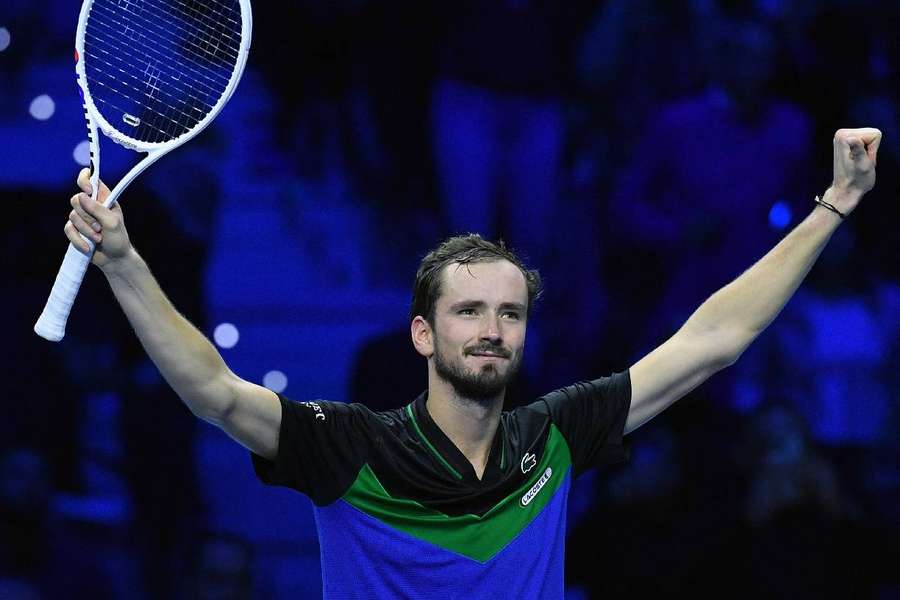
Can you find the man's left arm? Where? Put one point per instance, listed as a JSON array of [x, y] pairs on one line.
[[719, 331]]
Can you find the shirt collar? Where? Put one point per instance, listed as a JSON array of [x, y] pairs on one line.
[[446, 451]]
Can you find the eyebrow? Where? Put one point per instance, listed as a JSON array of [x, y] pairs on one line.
[[481, 304]]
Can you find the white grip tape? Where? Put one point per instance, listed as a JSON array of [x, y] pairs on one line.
[[51, 325]]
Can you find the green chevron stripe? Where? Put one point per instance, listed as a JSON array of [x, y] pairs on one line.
[[479, 538]]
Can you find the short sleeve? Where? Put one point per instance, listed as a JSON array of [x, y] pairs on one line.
[[591, 416], [321, 448]]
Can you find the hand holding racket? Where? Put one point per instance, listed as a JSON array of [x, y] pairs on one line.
[[152, 74], [104, 227]]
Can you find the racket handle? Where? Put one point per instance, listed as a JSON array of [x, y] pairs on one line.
[[51, 325]]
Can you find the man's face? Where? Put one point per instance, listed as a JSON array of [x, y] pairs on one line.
[[479, 328]]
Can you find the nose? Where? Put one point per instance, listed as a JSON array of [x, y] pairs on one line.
[[491, 330]]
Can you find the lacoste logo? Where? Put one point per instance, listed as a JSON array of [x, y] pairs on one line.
[[320, 416], [537, 487], [529, 461]]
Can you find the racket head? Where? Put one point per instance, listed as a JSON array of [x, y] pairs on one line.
[[175, 71]]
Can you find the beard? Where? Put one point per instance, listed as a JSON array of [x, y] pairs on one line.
[[481, 386]]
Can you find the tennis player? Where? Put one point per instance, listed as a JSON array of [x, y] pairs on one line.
[[449, 496]]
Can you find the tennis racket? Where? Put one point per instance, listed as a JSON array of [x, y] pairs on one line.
[[152, 75]]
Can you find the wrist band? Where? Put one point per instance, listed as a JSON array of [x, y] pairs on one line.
[[830, 207]]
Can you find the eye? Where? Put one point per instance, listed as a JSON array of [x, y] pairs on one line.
[[512, 315], [466, 311]]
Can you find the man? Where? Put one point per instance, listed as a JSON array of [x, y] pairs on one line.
[[449, 495]]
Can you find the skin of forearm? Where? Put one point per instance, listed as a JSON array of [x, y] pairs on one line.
[[183, 355], [741, 310]]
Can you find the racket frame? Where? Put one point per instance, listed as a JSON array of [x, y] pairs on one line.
[[51, 324], [129, 142]]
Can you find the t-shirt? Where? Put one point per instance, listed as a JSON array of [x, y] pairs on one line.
[[401, 513]]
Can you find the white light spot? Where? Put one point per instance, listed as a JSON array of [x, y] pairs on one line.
[[4, 38], [42, 107], [82, 153], [226, 335], [275, 381]]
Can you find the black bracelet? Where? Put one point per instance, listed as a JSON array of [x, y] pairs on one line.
[[830, 207]]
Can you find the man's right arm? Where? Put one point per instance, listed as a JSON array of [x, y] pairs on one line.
[[249, 413]]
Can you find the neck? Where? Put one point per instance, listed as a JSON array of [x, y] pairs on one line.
[[470, 424]]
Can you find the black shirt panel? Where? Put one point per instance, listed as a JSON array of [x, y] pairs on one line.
[[591, 416]]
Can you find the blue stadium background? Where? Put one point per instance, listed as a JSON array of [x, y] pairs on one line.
[[641, 154]]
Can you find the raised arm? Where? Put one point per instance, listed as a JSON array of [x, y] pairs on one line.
[[719, 331], [249, 413]]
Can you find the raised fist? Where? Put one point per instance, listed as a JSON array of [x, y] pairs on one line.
[[855, 153]]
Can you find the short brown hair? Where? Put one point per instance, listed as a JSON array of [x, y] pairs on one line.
[[463, 249]]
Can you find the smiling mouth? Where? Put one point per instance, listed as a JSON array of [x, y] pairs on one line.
[[488, 351]]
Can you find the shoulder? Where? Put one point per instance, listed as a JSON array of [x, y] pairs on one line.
[[616, 388], [609, 386]]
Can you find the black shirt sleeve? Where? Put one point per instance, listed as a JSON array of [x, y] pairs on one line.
[[591, 416], [321, 448]]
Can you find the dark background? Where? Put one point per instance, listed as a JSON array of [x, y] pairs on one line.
[[641, 154]]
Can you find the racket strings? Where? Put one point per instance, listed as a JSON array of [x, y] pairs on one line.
[[147, 43], [105, 100], [154, 31], [180, 23], [208, 10], [119, 89], [102, 101], [121, 92], [160, 65], [120, 49], [193, 15]]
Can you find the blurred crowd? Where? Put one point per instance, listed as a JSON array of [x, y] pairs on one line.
[[640, 153]]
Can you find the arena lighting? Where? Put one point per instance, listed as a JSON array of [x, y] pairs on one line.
[[82, 153], [42, 107], [226, 335], [780, 215], [275, 381]]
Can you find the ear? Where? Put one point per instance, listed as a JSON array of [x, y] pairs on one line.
[[422, 336]]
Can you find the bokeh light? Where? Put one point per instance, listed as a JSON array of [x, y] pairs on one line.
[[42, 107], [275, 381], [780, 215], [226, 335], [82, 153]]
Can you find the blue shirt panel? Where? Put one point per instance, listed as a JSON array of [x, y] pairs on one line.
[[364, 558]]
